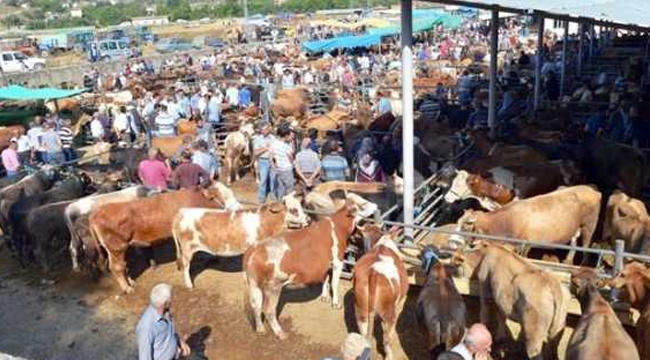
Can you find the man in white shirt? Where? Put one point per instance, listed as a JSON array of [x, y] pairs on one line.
[[232, 96], [476, 344], [121, 124], [96, 128], [282, 163]]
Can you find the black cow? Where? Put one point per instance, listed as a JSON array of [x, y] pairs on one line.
[[449, 213], [47, 231], [69, 189]]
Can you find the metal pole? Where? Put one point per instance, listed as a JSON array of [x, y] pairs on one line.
[[580, 45], [407, 114], [538, 63], [618, 257], [592, 33], [565, 43], [494, 48], [245, 9]]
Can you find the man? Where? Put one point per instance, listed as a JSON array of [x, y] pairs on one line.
[[475, 345], [232, 96], [213, 110], [24, 146], [67, 138], [121, 125], [10, 158], [165, 123], [205, 132], [153, 172], [156, 333], [282, 156], [204, 159], [262, 152], [96, 128], [335, 167], [51, 145], [307, 164], [354, 347], [244, 97], [34, 134], [188, 175]]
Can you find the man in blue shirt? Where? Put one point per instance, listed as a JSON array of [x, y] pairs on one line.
[[334, 166], [156, 333], [244, 97]]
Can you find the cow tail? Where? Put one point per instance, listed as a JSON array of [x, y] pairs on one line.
[[96, 238], [372, 297], [561, 300]]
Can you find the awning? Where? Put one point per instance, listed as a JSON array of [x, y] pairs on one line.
[[15, 92]]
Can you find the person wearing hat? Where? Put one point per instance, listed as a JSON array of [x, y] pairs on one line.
[[10, 158]]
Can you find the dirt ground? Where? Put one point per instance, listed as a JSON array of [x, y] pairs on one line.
[[66, 316]]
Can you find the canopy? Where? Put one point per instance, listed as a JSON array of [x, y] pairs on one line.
[[423, 20], [15, 92]]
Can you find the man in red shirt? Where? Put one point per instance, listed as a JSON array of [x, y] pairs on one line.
[[188, 175], [154, 172]]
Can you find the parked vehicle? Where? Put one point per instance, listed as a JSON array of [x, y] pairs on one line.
[[66, 40], [214, 42], [14, 61], [168, 45], [110, 50]]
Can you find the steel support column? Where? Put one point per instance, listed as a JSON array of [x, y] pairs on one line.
[[565, 48], [580, 46], [407, 114], [538, 63], [494, 49]]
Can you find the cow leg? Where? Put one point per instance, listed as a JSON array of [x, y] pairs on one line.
[[325, 293], [186, 262], [572, 252], [337, 269], [236, 168], [388, 326], [117, 266], [256, 298], [271, 297], [501, 324], [534, 331], [228, 170]]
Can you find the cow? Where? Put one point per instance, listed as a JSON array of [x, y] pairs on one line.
[[632, 285], [237, 146], [170, 146], [47, 231], [186, 127], [9, 132], [230, 232], [440, 307], [30, 185], [84, 206], [299, 258], [522, 292], [599, 334], [144, 222], [380, 286], [459, 189], [532, 179], [327, 122], [290, 103], [559, 217], [69, 189], [627, 219], [483, 188], [449, 213]]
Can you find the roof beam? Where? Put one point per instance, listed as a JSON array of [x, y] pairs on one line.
[[549, 15]]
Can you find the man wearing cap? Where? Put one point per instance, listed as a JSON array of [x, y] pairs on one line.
[[156, 333], [262, 152], [10, 158]]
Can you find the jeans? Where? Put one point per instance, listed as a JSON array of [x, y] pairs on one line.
[[69, 154], [53, 157], [284, 183], [12, 173], [266, 179]]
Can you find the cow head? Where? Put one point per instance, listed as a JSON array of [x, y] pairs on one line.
[[361, 207], [458, 189], [468, 221], [296, 216], [370, 234], [632, 285], [222, 194]]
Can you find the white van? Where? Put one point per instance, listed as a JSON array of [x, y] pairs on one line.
[[14, 61]]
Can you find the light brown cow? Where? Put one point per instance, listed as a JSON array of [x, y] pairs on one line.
[[632, 285], [559, 217], [599, 334], [145, 222], [522, 292], [8, 132], [237, 146], [627, 219], [326, 122], [230, 232], [170, 145], [290, 103], [299, 258], [380, 289], [186, 127]]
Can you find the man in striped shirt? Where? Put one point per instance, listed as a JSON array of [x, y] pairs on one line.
[[334, 166], [67, 138]]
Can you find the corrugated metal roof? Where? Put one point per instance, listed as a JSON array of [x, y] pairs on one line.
[[622, 12]]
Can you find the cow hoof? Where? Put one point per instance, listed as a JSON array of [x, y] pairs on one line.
[[337, 306], [260, 330], [129, 290], [282, 335], [130, 281], [325, 299]]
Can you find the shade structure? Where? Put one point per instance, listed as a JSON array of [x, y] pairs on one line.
[[15, 92]]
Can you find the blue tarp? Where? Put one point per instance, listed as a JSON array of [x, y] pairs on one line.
[[15, 92], [422, 20]]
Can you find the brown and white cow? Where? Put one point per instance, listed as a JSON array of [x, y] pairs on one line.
[[230, 232], [627, 219], [632, 285], [145, 222], [460, 189], [84, 206], [237, 146], [559, 217], [380, 289], [522, 292], [599, 334], [300, 258]]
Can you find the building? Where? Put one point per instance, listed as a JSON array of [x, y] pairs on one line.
[[149, 20], [76, 13]]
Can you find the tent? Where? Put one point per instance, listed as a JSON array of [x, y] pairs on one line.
[[15, 92]]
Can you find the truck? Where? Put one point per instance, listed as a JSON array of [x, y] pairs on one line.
[[14, 61]]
